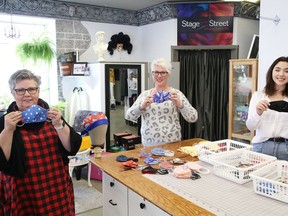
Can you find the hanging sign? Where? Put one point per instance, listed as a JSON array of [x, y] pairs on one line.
[[205, 24]]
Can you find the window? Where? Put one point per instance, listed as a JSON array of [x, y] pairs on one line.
[[28, 28]]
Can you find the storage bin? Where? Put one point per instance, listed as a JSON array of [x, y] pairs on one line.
[[208, 150], [238, 164], [117, 137], [272, 180]]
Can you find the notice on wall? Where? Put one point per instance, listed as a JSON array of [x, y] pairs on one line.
[[205, 24]]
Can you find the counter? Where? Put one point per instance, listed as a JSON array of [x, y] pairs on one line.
[[163, 198]]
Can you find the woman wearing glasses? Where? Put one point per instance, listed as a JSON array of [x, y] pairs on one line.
[[160, 107], [34, 144]]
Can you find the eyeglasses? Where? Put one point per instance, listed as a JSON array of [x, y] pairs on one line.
[[159, 73], [22, 91]]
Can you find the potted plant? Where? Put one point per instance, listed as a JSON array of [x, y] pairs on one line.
[[39, 50]]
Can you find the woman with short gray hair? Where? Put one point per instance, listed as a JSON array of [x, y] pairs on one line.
[[160, 108], [35, 142]]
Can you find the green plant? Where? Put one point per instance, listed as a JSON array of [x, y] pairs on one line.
[[40, 49]]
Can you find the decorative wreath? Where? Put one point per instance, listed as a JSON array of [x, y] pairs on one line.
[[120, 41]]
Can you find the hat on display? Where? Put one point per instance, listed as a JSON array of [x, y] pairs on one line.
[[93, 120]]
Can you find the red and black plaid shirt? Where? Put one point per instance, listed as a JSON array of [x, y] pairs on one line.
[[46, 188]]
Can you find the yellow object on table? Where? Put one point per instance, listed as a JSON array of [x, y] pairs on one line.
[[86, 143]]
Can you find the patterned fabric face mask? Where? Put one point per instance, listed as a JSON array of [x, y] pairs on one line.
[[161, 96], [34, 114]]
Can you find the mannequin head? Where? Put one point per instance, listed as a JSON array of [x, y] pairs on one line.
[[98, 135], [96, 124]]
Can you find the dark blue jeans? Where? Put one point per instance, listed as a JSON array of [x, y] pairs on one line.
[[279, 150]]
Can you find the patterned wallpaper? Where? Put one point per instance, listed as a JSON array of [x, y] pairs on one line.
[[75, 11]]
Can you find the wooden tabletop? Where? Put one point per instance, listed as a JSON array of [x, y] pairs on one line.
[[168, 201]]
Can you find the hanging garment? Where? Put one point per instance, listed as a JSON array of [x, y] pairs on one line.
[[79, 100]]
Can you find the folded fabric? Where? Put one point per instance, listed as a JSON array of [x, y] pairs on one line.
[[93, 120], [124, 158], [149, 170], [121, 158], [150, 160], [195, 166], [157, 151], [166, 165], [34, 113], [181, 172], [144, 155], [191, 150], [162, 152], [190, 170], [161, 96], [129, 164]]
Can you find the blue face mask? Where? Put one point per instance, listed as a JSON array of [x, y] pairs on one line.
[[161, 96], [34, 114]]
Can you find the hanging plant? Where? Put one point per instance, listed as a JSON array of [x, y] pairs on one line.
[[39, 50]]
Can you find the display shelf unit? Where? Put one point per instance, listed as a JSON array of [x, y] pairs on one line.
[[242, 84]]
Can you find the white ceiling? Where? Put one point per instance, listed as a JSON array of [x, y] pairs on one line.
[[130, 4]]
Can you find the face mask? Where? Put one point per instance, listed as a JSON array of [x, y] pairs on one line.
[[161, 96], [34, 114], [280, 106]]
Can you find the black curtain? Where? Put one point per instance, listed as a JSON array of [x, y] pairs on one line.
[[204, 76]]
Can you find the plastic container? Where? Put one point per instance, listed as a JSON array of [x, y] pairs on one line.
[[272, 180], [208, 150], [238, 164]]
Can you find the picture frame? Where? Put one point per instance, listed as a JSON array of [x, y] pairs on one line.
[[79, 68], [66, 69]]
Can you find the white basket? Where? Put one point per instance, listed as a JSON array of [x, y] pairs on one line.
[[207, 151], [238, 164], [272, 180]]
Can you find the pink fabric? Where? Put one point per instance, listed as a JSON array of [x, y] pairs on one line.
[[182, 172]]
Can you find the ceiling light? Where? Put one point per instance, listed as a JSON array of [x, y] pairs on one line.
[[11, 31]]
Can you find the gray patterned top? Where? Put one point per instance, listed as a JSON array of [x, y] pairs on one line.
[[160, 121]]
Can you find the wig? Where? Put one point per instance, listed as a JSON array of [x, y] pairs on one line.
[[119, 41]]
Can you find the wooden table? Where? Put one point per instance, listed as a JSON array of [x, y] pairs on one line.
[[168, 201]]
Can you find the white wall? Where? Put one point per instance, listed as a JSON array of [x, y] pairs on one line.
[[158, 38], [149, 41], [243, 31], [273, 38], [111, 29], [155, 40]]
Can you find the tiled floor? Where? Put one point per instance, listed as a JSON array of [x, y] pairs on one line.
[[98, 185]]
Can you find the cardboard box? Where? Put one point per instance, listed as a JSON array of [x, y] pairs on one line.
[[117, 137], [129, 141]]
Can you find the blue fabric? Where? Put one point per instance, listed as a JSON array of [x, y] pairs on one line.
[[150, 160], [161, 96], [158, 151], [94, 125], [279, 150], [33, 114]]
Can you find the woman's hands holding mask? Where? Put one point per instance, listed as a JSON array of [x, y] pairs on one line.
[[55, 116]]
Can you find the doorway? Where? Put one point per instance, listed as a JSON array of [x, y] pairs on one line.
[[205, 74], [123, 85]]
